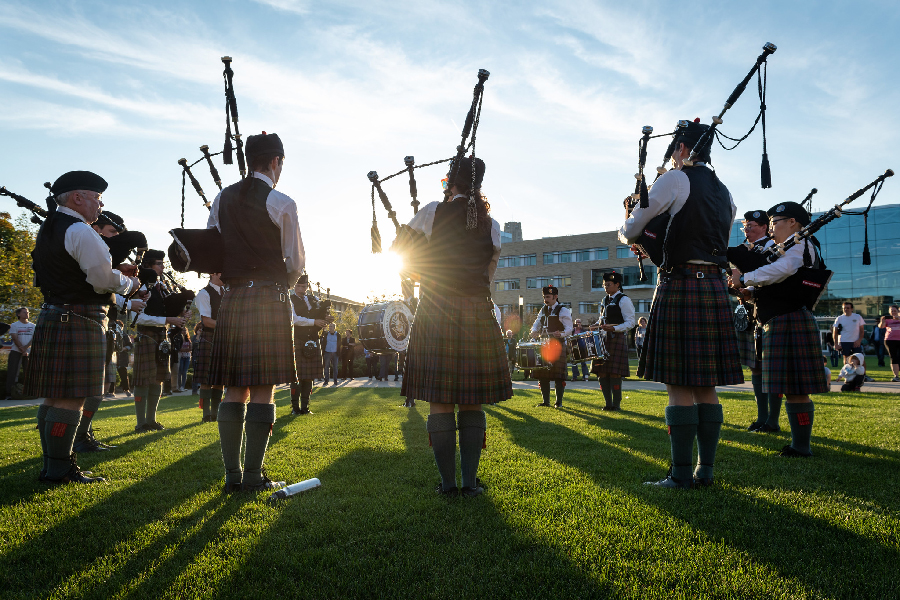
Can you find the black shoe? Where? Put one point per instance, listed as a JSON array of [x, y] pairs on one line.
[[702, 482], [231, 488], [547, 404], [672, 483], [141, 428], [75, 475], [557, 406], [755, 425], [295, 411], [88, 445], [304, 411], [264, 485], [789, 452], [154, 426], [469, 492], [607, 407], [451, 493], [766, 428], [378, 378]]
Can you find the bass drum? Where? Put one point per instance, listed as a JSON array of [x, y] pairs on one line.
[[385, 326]]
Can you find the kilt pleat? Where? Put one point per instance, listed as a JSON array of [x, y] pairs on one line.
[[617, 363], [148, 370], [792, 355], [307, 368], [690, 336], [68, 359], [254, 341], [456, 353], [202, 356], [747, 347]]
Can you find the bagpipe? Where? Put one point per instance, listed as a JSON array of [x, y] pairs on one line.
[[175, 298], [38, 214], [407, 242]]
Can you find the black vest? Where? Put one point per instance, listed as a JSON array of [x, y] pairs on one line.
[[796, 292], [456, 261], [250, 240], [156, 306], [699, 231], [304, 332], [58, 274], [613, 312], [215, 300], [550, 319]]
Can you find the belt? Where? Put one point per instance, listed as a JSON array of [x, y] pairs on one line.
[[691, 272], [65, 312], [249, 283]]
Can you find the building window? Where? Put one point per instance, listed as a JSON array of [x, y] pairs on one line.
[[589, 308], [503, 285], [643, 306], [624, 252], [531, 309], [524, 260], [506, 309], [536, 283], [631, 276], [570, 256]]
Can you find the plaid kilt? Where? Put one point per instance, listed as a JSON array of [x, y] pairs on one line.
[[456, 353], [747, 347], [254, 341], [617, 363], [202, 356], [148, 370], [559, 369], [68, 359], [690, 336], [307, 368], [792, 355]]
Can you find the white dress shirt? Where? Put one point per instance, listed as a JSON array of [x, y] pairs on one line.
[[669, 193], [283, 212], [565, 317], [204, 303], [781, 269], [143, 318], [302, 321], [92, 254], [627, 307], [423, 222]]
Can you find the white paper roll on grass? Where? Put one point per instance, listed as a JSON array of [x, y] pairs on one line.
[[296, 488]]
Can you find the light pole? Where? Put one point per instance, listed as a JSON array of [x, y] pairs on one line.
[[521, 313]]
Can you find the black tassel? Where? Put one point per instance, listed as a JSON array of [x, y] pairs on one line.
[[807, 258], [645, 200], [766, 172], [227, 150], [867, 256], [376, 239]]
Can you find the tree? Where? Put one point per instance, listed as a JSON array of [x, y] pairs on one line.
[[16, 275]]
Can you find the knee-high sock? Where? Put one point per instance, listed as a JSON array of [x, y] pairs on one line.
[[295, 396], [215, 399], [800, 416], [260, 418], [140, 403], [41, 421], [472, 427], [305, 393], [606, 388], [59, 431], [205, 401], [616, 391], [442, 433], [231, 436], [682, 423], [545, 390], [709, 426], [90, 407], [560, 386], [762, 400], [774, 410], [153, 393]]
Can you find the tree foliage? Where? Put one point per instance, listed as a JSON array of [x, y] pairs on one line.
[[16, 275]]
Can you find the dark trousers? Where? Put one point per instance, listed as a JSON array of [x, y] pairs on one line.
[[347, 366], [879, 351], [16, 360], [386, 359], [123, 378], [371, 366]]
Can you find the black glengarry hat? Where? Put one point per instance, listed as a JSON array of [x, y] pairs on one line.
[[111, 218], [151, 256], [757, 216], [265, 143], [303, 278], [78, 180], [790, 210], [613, 276], [690, 135], [551, 289], [462, 173]]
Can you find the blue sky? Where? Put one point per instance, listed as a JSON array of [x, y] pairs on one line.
[[126, 89]]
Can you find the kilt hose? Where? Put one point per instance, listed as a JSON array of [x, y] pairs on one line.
[[792, 355], [202, 356], [147, 369], [456, 354], [68, 358], [690, 335], [254, 341], [617, 363], [307, 368], [747, 347]]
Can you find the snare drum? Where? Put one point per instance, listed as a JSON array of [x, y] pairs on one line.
[[385, 326], [528, 357], [582, 347]]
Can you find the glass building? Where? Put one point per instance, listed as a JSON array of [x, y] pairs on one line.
[[871, 288]]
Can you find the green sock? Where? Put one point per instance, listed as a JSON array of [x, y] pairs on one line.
[[59, 431], [616, 392], [153, 394], [682, 423], [41, 421], [215, 399], [709, 426], [472, 428], [205, 402], [442, 433], [606, 388], [140, 404], [800, 416], [91, 405], [260, 418], [231, 437], [774, 410], [762, 400]]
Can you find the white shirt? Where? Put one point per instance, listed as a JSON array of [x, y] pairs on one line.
[[148, 320], [669, 193], [565, 317], [781, 269], [423, 222], [204, 303], [627, 307], [23, 332], [92, 254], [852, 324], [302, 321], [283, 212]]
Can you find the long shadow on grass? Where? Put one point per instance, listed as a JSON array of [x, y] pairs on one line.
[[822, 556]]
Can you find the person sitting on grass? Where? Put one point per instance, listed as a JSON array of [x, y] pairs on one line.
[[827, 370], [854, 373]]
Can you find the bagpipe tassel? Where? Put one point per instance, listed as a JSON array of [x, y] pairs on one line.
[[766, 172], [645, 200], [867, 256], [227, 151], [376, 238]]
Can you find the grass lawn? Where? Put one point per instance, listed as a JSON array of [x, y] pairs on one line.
[[565, 515]]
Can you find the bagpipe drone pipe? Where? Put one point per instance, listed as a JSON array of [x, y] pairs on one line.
[[410, 244]]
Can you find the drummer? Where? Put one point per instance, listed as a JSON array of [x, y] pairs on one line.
[[616, 319], [557, 319]]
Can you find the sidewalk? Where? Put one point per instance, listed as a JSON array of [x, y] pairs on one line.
[[120, 396]]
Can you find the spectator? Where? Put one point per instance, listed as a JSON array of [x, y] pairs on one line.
[[577, 328], [22, 331], [195, 344], [854, 373], [348, 347], [371, 363], [386, 359], [829, 343], [827, 370], [848, 332], [331, 343], [184, 361], [878, 333], [892, 340], [639, 332], [510, 342]]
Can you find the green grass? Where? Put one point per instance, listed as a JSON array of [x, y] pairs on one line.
[[565, 516]]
